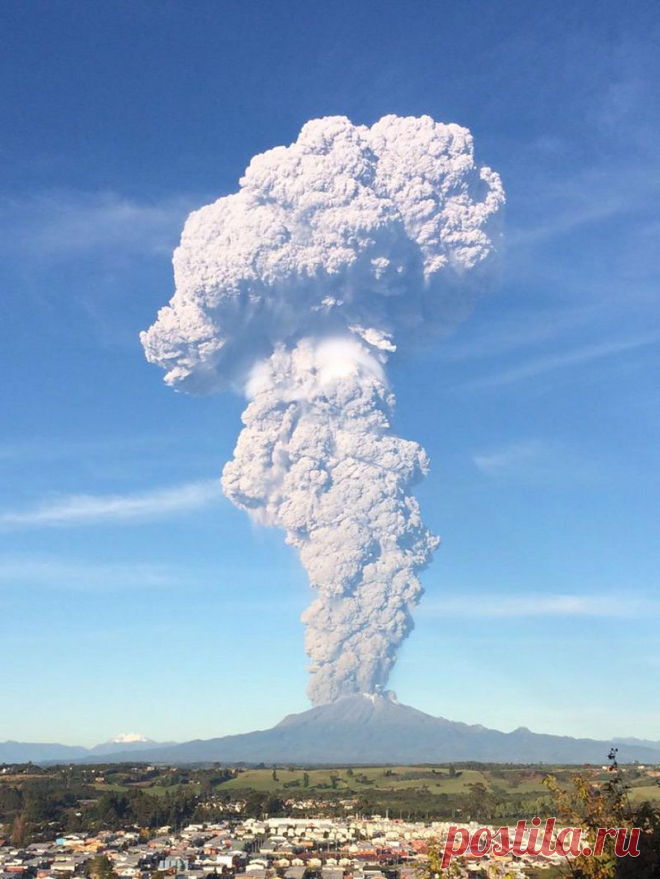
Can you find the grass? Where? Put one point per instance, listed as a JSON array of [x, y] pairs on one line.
[[506, 783], [156, 790], [645, 792], [377, 778]]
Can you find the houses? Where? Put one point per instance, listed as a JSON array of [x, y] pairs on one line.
[[272, 848]]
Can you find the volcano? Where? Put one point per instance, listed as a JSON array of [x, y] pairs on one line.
[[365, 729]]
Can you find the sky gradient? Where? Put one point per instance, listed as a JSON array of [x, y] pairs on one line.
[[133, 596]]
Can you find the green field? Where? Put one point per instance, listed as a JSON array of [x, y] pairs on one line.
[[109, 796], [436, 780], [503, 782]]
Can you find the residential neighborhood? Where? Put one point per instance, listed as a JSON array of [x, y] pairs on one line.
[[376, 847]]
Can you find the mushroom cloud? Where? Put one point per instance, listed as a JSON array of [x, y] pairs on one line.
[[337, 252]]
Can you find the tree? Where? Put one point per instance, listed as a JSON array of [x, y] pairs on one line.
[[100, 867], [19, 830], [480, 802], [592, 805], [432, 867], [273, 805]]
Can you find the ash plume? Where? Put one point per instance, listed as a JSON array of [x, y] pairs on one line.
[[338, 251]]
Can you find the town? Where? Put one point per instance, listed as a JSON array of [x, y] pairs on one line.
[[240, 822], [374, 847]]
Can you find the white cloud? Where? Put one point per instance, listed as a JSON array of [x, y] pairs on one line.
[[512, 458], [581, 207], [524, 328], [552, 362], [540, 605], [48, 448], [63, 224], [90, 509], [66, 574]]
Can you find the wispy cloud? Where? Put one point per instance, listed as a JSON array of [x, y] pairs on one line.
[[553, 362], [524, 328], [63, 574], [540, 605], [580, 206], [48, 448], [64, 224], [91, 509], [511, 458]]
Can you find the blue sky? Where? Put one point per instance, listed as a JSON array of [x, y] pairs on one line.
[[133, 596]]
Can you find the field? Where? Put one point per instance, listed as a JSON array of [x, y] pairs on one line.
[[420, 792], [110, 796], [436, 780]]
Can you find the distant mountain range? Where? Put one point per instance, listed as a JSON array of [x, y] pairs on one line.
[[358, 729], [643, 743], [32, 752]]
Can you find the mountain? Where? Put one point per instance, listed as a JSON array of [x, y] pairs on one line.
[[37, 752], [378, 729], [358, 729], [127, 743], [644, 743]]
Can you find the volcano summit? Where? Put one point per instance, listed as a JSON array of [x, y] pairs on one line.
[[379, 729]]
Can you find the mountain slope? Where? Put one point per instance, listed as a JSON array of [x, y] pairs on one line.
[[47, 752], [378, 729], [127, 747], [38, 752], [644, 743]]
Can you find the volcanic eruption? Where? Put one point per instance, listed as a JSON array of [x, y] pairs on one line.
[[337, 252]]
